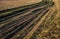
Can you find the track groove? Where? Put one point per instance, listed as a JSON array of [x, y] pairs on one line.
[[16, 23]]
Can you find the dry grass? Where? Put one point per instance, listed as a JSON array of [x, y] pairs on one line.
[[49, 28]]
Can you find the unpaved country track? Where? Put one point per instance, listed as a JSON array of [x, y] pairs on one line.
[[18, 22]]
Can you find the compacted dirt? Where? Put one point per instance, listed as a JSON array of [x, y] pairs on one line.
[[16, 3]]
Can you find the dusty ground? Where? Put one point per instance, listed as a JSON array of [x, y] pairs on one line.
[[15, 3], [57, 2]]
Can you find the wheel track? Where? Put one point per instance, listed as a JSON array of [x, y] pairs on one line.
[[22, 24]]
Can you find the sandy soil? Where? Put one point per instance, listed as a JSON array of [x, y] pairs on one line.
[[15, 3], [57, 2]]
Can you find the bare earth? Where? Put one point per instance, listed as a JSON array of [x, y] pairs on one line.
[[16, 3]]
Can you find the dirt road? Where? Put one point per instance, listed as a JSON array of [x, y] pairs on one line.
[[33, 21]]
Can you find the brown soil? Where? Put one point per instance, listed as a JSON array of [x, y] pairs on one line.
[[4, 4]]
